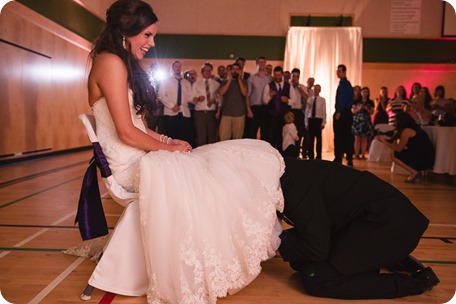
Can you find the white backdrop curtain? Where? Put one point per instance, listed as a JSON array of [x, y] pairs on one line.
[[317, 51]]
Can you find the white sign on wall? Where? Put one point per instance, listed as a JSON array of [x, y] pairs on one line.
[[405, 17]]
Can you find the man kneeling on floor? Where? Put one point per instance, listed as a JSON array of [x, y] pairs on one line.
[[348, 225]]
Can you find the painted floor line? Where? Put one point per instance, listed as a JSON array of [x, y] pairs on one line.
[[39, 174], [39, 192], [442, 225], [37, 234], [56, 282]]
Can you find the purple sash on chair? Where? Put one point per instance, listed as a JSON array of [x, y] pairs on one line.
[[90, 215]]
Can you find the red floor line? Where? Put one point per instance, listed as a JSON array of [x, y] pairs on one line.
[[107, 298]]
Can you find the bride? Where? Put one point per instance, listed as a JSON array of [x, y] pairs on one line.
[[207, 217]]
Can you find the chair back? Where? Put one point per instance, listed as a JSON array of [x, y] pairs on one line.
[[117, 192], [90, 126]]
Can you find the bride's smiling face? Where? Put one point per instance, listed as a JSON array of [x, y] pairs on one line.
[[141, 43]]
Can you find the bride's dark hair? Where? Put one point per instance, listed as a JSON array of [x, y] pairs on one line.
[[127, 18]]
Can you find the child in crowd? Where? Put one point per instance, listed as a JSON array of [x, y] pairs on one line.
[[289, 136]]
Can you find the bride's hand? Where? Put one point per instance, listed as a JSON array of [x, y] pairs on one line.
[[180, 145]]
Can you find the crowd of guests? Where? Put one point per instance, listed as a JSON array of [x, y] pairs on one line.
[[270, 104], [404, 115], [273, 105]]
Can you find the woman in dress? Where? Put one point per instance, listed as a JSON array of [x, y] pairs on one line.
[[397, 104], [415, 91], [362, 123], [414, 150], [356, 93], [381, 116], [419, 107], [438, 104], [207, 218]]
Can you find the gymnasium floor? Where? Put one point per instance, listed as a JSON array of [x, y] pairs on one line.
[[38, 200]]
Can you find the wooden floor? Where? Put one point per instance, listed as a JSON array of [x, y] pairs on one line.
[[37, 208]]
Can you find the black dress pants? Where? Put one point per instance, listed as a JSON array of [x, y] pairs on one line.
[[258, 121], [343, 137], [180, 127], [315, 134], [274, 127], [347, 225], [325, 281]]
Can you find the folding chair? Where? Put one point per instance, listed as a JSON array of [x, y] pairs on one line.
[[123, 252]]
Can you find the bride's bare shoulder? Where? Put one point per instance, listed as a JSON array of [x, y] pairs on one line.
[[107, 59], [107, 69], [107, 65]]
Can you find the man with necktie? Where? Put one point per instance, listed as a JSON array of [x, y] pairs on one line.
[[205, 98], [315, 120], [175, 93], [276, 95], [297, 105]]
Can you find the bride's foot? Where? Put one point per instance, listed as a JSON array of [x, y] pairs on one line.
[[87, 293], [413, 178]]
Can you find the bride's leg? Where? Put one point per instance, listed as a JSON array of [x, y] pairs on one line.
[[87, 293], [122, 268]]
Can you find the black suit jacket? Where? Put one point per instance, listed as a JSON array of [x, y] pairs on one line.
[[350, 218]]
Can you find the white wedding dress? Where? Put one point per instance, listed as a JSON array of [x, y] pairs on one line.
[[205, 222]]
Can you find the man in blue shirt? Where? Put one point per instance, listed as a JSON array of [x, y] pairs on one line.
[[343, 118]]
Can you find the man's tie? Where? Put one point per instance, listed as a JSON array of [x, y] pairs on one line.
[[277, 98], [208, 94], [314, 107], [179, 92]]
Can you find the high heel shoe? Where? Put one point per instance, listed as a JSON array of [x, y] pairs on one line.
[[413, 179]]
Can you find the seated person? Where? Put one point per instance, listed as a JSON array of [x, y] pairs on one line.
[[438, 103], [419, 114], [347, 225], [414, 150], [449, 116]]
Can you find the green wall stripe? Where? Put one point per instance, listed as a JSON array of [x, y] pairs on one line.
[[68, 14], [409, 50], [218, 47], [208, 47], [273, 48]]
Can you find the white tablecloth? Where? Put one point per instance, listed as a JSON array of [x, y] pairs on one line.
[[444, 140], [379, 152]]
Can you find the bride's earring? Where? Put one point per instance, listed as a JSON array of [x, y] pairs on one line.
[[124, 44]]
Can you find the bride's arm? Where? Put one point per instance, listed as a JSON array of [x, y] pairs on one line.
[[110, 75], [168, 140]]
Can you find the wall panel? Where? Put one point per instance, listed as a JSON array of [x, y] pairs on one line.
[[42, 85]]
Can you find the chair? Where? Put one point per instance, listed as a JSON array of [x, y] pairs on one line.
[[117, 193], [123, 256], [378, 151]]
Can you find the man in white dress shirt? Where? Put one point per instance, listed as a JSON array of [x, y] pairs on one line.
[[315, 120], [256, 120], [298, 104], [205, 98], [175, 94]]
